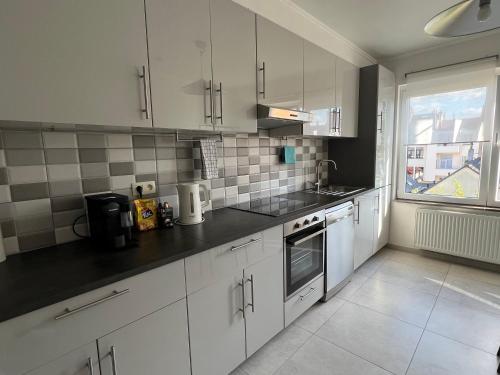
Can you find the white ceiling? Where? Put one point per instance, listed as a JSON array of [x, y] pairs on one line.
[[383, 28]]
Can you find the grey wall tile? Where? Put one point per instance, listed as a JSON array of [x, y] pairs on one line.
[[61, 188], [4, 180], [96, 185], [146, 177], [8, 228], [36, 241], [67, 218], [59, 140], [91, 141], [72, 202], [167, 177], [184, 153], [144, 154], [165, 140], [143, 141], [121, 169], [89, 170], [33, 224], [93, 155], [22, 139], [218, 183], [61, 156], [165, 153], [24, 192], [24, 157]]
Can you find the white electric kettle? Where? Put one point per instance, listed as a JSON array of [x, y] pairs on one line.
[[190, 204]]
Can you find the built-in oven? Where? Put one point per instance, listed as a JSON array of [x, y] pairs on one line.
[[304, 252]]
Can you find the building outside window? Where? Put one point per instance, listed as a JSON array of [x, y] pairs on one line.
[[447, 127]]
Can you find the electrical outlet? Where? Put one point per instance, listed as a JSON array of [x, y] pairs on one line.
[[148, 187]]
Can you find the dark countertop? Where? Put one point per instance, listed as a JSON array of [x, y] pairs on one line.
[[33, 280]]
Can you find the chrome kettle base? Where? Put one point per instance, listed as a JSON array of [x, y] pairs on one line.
[[178, 222]]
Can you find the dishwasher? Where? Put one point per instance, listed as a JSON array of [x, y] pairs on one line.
[[339, 264]]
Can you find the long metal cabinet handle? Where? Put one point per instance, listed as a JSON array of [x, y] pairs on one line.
[[112, 354], [69, 312], [219, 91], [251, 291], [304, 296], [340, 219], [144, 77], [339, 124], [90, 365], [304, 239], [381, 115], [242, 309], [357, 209], [263, 70], [378, 204], [210, 94], [234, 248]]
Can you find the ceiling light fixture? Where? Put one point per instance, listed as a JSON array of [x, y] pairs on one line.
[[466, 18]]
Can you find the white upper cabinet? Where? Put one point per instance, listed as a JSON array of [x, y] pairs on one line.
[[280, 66], [346, 98], [181, 67], [319, 89], [233, 60], [385, 126], [71, 61]]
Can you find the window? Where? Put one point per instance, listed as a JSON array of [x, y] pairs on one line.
[[446, 119]]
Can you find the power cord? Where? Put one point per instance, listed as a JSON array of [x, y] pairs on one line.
[[74, 229]]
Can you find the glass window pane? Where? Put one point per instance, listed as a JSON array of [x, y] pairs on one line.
[[451, 170], [448, 117]]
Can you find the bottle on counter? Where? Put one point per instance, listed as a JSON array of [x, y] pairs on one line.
[[165, 215]]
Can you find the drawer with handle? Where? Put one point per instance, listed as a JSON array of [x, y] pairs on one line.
[[38, 337], [303, 300], [205, 268]]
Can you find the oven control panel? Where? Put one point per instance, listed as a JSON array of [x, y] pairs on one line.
[[303, 222]]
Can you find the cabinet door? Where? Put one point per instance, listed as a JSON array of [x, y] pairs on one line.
[[383, 219], [347, 92], [385, 127], [156, 344], [280, 66], [233, 60], [82, 361], [319, 89], [217, 326], [70, 61], [180, 63], [264, 290], [364, 228]]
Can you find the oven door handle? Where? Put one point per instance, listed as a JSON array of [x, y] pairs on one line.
[[304, 239]]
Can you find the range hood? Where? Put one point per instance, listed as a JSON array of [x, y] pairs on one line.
[[274, 117]]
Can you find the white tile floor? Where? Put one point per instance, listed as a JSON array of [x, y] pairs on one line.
[[403, 313]]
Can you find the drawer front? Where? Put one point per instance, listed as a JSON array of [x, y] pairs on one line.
[[38, 337], [272, 240], [303, 300], [206, 268]]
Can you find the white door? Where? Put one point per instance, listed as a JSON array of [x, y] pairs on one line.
[[347, 93], [217, 326], [71, 61], [383, 217], [385, 127], [155, 345], [280, 66], [364, 217], [319, 89], [264, 290], [180, 59], [233, 60], [82, 361]]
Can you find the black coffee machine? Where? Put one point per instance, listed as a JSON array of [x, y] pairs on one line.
[[110, 220]]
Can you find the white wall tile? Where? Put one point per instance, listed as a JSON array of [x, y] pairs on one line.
[[119, 140], [166, 165], [27, 174], [122, 182], [59, 172], [120, 154], [146, 166], [11, 245], [2, 158], [5, 194]]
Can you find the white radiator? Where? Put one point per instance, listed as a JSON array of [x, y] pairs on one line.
[[461, 234]]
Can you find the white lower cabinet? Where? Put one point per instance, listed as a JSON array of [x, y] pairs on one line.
[[364, 222], [224, 327], [372, 221], [156, 344], [82, 361]]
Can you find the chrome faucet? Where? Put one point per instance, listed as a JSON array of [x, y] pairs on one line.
[[318, 170]]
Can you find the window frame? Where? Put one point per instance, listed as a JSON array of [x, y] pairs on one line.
[[489, 160]]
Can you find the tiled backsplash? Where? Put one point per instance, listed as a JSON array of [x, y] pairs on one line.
[[44, 175]]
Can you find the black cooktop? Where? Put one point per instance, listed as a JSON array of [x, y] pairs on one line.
[[273, 206]]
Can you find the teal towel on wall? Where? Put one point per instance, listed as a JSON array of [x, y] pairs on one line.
[[288, 155]]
